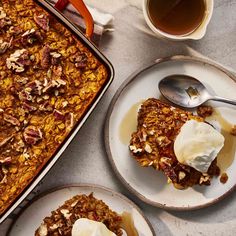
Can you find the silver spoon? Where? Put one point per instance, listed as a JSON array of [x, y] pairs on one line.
[[188, 92]]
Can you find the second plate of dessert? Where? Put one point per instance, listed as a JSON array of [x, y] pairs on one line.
[[81, 210], [141, 149]]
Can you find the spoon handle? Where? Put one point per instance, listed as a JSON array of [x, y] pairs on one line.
[[220, 99]]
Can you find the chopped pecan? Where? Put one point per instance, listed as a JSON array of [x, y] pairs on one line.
[[18, 60], [28, 107], [4, 22], [21, 80], [15, 30], [6, 140], [5, 160], [32, 135], [55, 58], [11, 119], [2, 13], [169, 171], [58, 115], [81, 61], [45, 57], [25, 95], [57, 71], [35, 87], [53, 84], [4, 45], [46, 106], [2, 175], [31, 36], [69, 120], [42, 21], [24, 59]]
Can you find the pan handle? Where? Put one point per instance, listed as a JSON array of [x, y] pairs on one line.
[[82, 9]]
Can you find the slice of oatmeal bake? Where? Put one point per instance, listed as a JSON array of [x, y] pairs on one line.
[[62, 220], [153, 143]]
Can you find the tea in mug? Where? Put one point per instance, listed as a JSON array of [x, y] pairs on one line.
[[176, 17]]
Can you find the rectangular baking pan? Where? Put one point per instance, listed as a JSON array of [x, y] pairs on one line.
[[93, 49]]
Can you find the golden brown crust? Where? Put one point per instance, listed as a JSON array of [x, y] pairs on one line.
[[80, 206], [152, 143], [48, 81]]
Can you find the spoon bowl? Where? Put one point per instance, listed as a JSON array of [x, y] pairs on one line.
[[186, 91]]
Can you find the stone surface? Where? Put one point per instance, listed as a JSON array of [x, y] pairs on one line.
[[130, 47]]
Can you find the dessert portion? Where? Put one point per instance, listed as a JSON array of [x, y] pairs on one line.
[[80, 216], [48, 80], [176, 142]]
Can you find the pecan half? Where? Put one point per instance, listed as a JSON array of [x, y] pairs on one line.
[[58, 115], [32, 135], [42, 21], [11, 119], [45, 57]]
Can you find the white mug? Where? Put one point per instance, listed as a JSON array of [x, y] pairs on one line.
[[196, 34]]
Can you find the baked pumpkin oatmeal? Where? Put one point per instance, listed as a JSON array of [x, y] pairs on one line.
[[153, 143], [48, 79], [62, 220]]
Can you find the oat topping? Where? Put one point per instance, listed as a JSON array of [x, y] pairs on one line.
[[49, 79]]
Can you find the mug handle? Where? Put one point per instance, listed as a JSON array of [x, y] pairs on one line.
[[82, 9]]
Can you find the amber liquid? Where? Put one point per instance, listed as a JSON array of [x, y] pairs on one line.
[[128, 224], [176, 17], [129, 123], [225, 157]]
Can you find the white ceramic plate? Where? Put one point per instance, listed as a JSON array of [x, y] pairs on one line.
[[30, 219], [150, 185]]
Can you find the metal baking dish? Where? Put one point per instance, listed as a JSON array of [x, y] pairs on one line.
[[93, 49]]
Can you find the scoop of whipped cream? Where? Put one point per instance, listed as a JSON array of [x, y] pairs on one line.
[[197, 145], [86, 227]]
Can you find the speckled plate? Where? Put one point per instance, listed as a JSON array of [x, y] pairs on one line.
[[33, 215], [146, 183]]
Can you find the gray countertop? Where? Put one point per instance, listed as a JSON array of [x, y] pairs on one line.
[[130, 47]]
